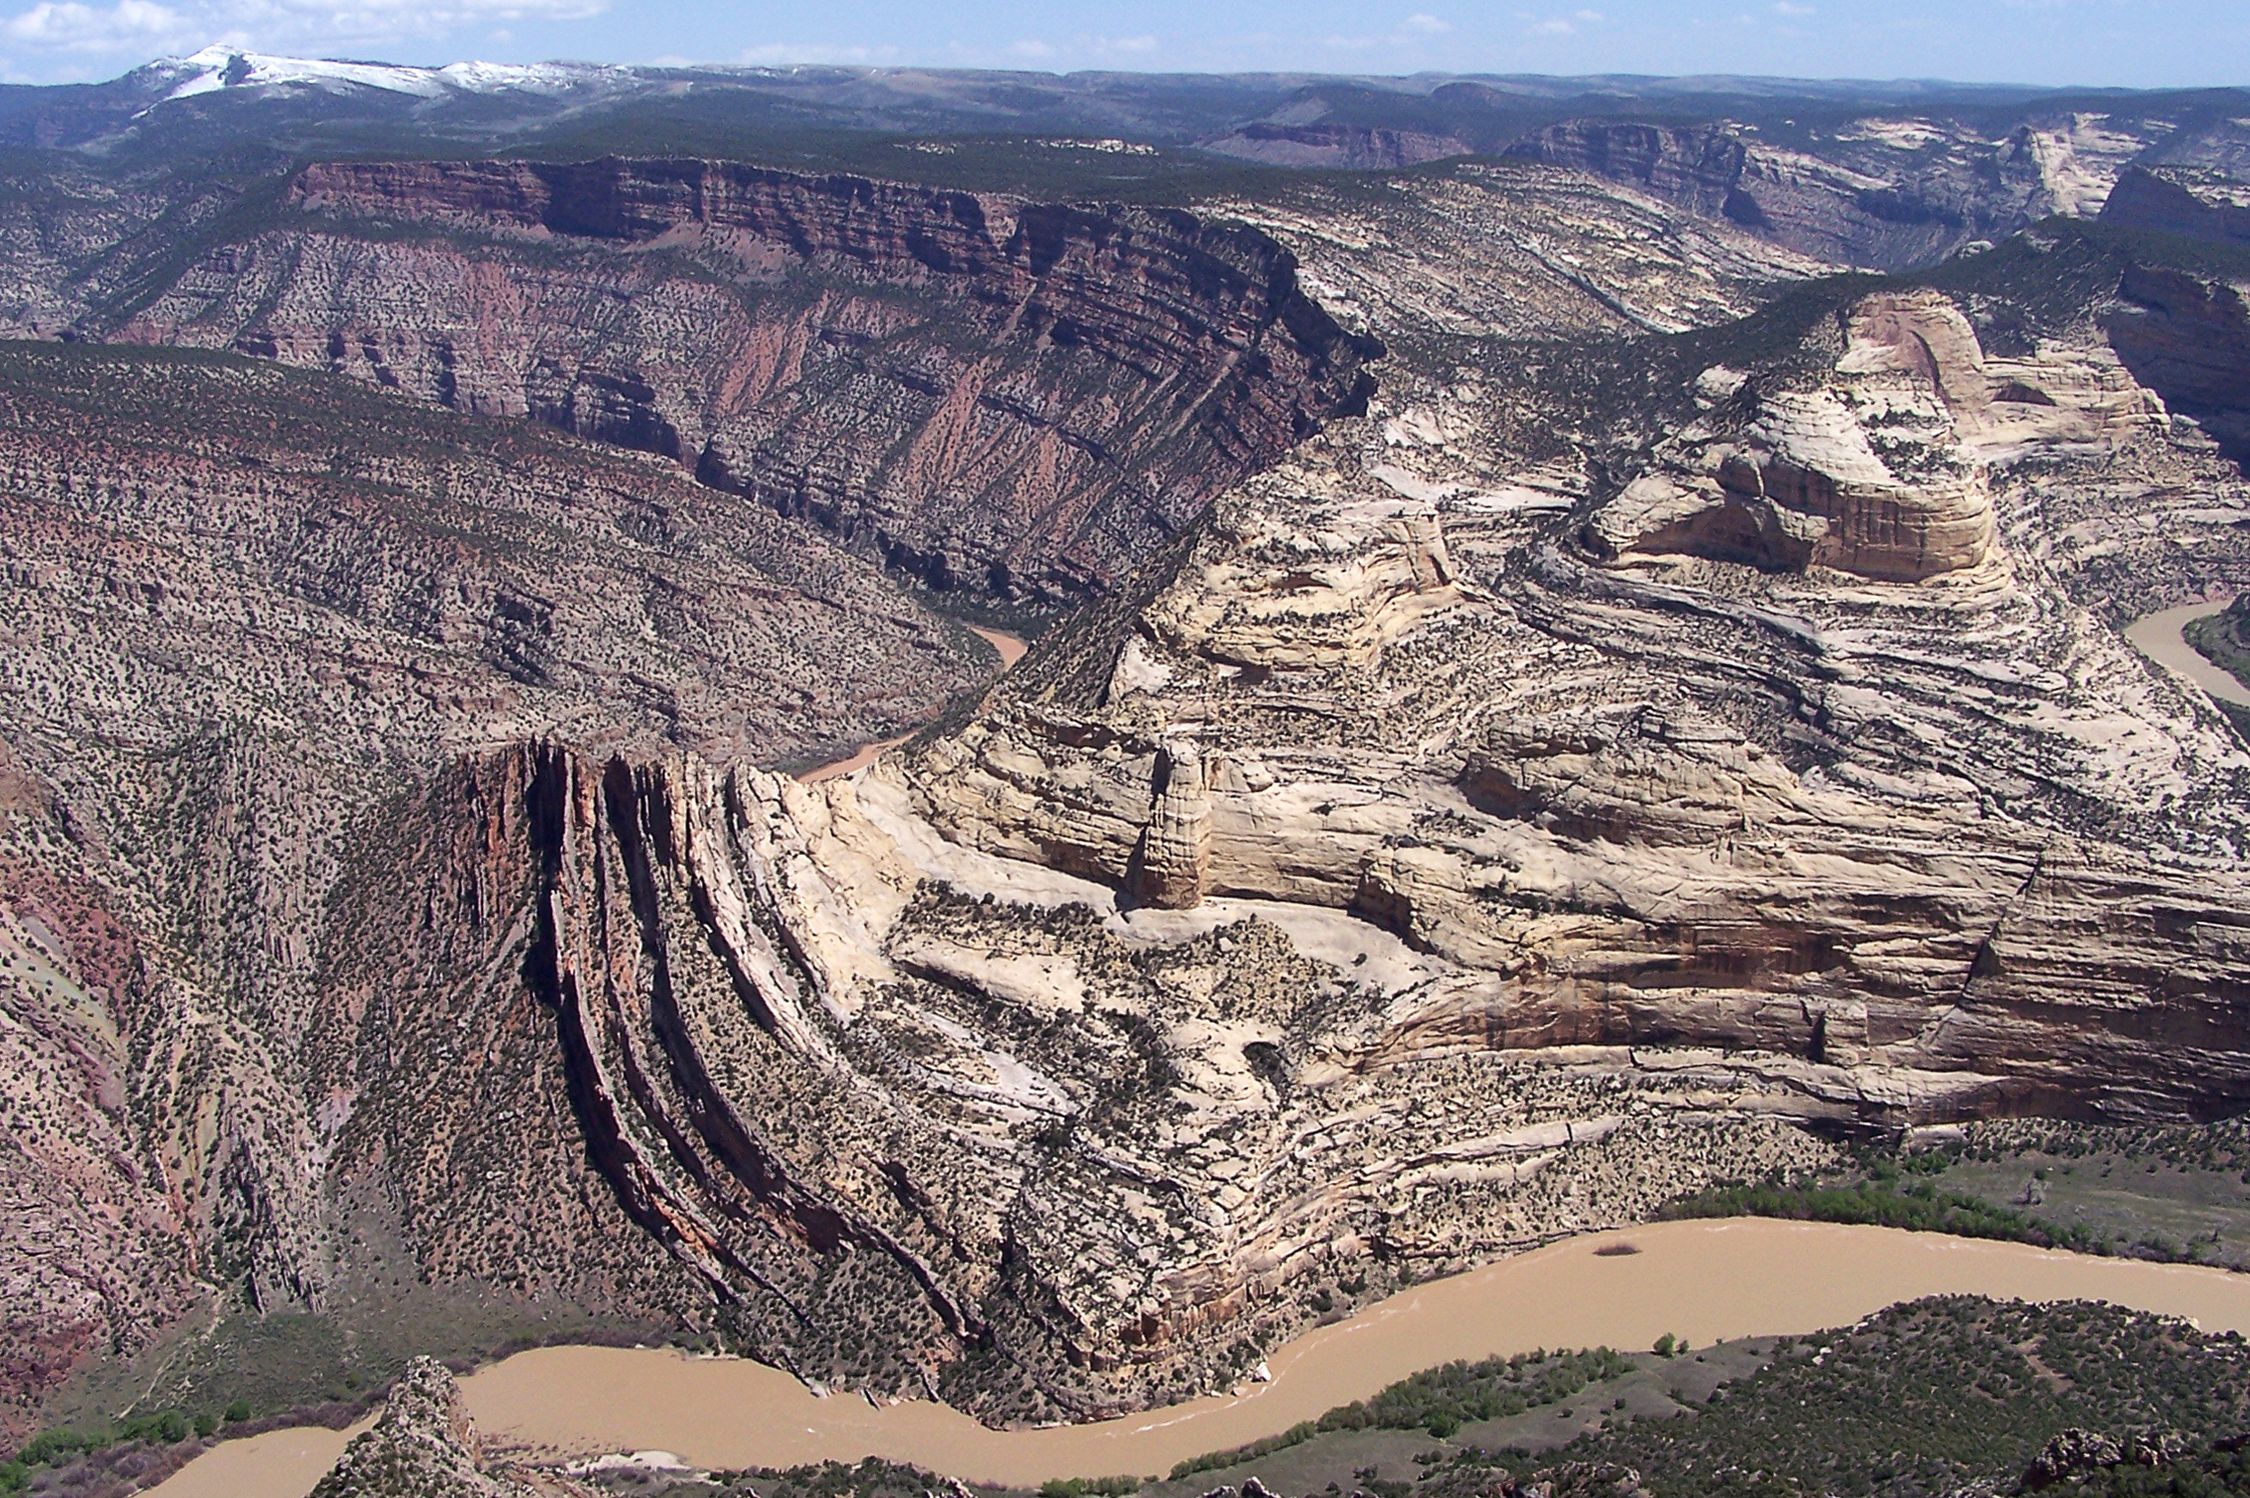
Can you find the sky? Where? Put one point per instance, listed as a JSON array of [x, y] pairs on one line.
[[2146, 43]]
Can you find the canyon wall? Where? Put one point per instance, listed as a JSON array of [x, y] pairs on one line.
[[1015, 398]]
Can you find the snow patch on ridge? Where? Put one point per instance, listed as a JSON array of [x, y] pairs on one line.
[[220, 67]]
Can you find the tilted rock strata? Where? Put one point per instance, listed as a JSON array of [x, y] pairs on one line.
[[255, 618], [1007, 396], [1514, 249]]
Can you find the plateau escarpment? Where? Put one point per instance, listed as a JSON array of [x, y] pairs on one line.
[[1017, 398], [1888, 192]]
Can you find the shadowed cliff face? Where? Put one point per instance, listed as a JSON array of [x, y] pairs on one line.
[[1004, 396]]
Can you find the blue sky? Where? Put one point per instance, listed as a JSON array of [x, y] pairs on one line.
[[2138, 42]]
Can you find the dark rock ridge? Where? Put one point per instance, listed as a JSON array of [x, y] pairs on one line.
[[1358, 147], [2187, 337], [2198, 204], [992, 394]]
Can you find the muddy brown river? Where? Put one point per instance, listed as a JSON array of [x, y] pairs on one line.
[[2158, 637], [1706, 1281], [1011, 650]]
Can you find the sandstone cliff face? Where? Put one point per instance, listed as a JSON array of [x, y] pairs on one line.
[[1882, 192], [1866, 474], [1695, 808], [1010, 397]]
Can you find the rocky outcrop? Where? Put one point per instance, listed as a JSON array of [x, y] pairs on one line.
[[2195, 204], [1015, 398], [1868, 473], [426, 1446]]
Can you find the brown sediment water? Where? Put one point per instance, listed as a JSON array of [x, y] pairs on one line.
[[1011, 650], [2159, 637], [1705, 1281], [284, 1463]]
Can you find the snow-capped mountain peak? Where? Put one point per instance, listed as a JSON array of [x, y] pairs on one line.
[[221, 67]]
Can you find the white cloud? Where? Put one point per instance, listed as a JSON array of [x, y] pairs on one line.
[[1031, 47], [828, 54], [1560, 25], [142, 27], [71, 27], [1792, 8], [1416, 31], [1143, 43]]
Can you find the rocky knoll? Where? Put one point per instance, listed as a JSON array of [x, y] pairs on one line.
[[1867, 474], [1009, 396], [426, 1446]]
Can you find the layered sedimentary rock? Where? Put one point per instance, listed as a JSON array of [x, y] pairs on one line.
[[1867, 474], [253, 616], [1492, 248], [1887, 192], [1015, 397], [1612, 765], [1707, 803], [1390, 877]]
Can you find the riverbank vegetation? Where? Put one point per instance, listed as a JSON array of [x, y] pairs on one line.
[[1441, 1401], [2174, 1194], [1941, 1395]]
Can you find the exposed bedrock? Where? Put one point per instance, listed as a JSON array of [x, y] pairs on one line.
[[1884, 193], [859, 1080], [1864, 808], [2187, 336], [1866, 473], [1015, 397]]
